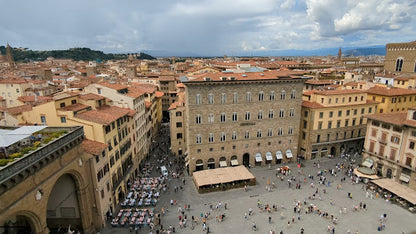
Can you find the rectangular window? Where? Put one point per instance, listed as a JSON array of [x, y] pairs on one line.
[[260, 115], [270, 132], [370, 110], [283, 95], [280, 131], [331, 114], [235, 116], [222, 118], [395, 139], [271, 95], [198, 119], [290, 131], [43, 119], [339, 113], [346, 123], [258, 133], [305, 114], [305, 124], [338, 123], [247, 135], [261, 96], [362, 110], [210, 98], [198, 99], [198, 139], [281, 113], [293, 94], [320, 125], [271, 114], [371, 148], [303, 135], [321, 115], [222, 139], [210, 118], [291, 112], [348, 112], [329, 124], [355, 111], [178, 124], [63, 119], [235, 98], [223, 98], [234, 135], [353, 122], [211, 138], [318, 138], [393, 154], [248, 97], [412, 145], [247, 115], [373, 132], [179, 136]]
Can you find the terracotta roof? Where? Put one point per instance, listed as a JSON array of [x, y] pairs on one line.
[[147, 104], [91, 96], [103, 115], [265, 75], [32, 98], [74, 107], [396, 118], [93, 147], [320, 82], [378, 90], [338, 92], [317, 105], [166, 78], [405, 78], [113, 85], [14, 80], [18, 109], [159, 94], [141, 87], [180, 85]]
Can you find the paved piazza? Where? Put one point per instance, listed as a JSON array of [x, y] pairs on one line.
[[398, 220]]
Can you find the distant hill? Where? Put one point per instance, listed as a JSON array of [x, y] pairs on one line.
[[365, 51], [76, 54]]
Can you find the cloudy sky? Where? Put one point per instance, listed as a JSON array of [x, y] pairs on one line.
[[205, 27]]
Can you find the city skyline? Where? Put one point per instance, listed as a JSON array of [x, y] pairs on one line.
[[206, 27]]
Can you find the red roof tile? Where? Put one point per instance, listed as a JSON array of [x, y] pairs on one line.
[[103, 115], [74, 107], [265, 75], [378, 90], [113, 85], [18, 109], [91, 96], [396, 118], [93, 147], [159, 94]]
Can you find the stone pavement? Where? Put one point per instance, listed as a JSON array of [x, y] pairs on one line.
[[399, 220]]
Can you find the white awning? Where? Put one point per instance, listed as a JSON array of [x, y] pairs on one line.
[[269, 156], [199, 164], [258, 157], [223, 164], [289, 153], [405, 178], [279, 155], [234, 162], [368, 162]]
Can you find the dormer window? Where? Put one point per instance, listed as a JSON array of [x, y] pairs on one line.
[[223, 78]]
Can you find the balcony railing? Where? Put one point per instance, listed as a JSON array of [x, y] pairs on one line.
[[39, 154]]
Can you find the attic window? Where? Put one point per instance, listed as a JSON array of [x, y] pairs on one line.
[[223, 78], [232, 78], [207, 79], [244, 75], [261, 74]]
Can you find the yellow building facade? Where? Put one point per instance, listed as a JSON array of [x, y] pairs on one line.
[[392, 99], [332, 122]]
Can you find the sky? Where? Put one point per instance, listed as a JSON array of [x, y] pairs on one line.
[[205, 27]]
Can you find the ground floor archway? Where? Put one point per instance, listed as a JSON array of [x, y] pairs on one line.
[[63, 209], [246, 159], [18, 224]]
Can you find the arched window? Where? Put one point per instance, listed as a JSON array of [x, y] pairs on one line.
[[399, 64]]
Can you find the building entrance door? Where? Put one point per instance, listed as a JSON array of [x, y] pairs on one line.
[[246, 159]]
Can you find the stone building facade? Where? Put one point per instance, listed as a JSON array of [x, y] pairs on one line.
[[400, 57], [250, 119]]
